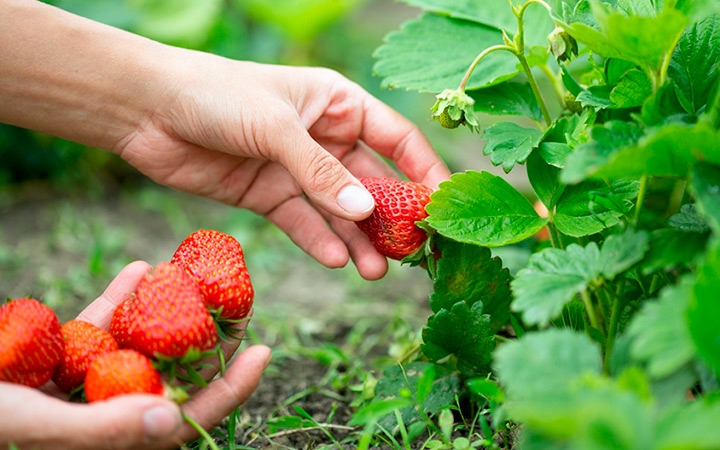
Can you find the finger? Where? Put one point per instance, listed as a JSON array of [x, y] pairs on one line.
[[307, 228], [228, 349], [100, 311], [398, 139], [211, 405], [125, 422], [323, 178]]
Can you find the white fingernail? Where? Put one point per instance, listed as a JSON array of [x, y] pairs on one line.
[[355, 200]]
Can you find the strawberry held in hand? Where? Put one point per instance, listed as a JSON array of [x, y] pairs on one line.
[[82, 342], [121, 372], [167, 315], [398, 205], [215, 261], [30, 342]]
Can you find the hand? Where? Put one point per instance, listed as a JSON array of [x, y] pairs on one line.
[[36, 419], [285, 142]]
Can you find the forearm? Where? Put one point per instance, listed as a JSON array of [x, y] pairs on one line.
[[74, 78]]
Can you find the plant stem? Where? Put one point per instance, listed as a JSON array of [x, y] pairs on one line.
[[640, 199], [204, 434], [590, 308], [479, 57], [535, 88], [556, 83], [612, 329]]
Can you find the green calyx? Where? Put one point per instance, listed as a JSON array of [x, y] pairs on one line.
[[563, 46], [454, 108]]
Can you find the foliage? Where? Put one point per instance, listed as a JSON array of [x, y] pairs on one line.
[[608, 336]]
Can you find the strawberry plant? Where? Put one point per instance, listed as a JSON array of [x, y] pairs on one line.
[[606, 334]]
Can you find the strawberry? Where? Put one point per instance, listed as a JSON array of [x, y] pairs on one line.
[[82, 342], [167, 316], [121, 372], [215, 261], [118, 325], [30, 342], [398, 205]]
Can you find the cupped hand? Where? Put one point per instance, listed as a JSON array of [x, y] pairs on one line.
[[40, 419], [284, 142]]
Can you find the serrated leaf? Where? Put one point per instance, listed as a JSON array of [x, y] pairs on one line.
[[470, 273], [507, 99], [661, 106], [672, 248], [433, 53], [632, 90], [544, 362], [704, 309], [562, 136], [694, 64], [688, 219], [462, 331], [509, 144], [706, 188], [660, 332], [545, 180], [495, 14], [592, 206], [597, 97], [483, 209], [553, 276]]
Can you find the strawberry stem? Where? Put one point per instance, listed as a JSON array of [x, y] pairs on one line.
[[204, 434], [479, 57]]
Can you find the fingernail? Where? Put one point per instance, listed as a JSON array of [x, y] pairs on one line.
[[355, 200], [160, 422]]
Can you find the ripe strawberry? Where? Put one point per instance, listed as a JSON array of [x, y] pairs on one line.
[[398, 205], [167, 316], [121, 372], [216, 263], [82, 342], [30, 342], [118, 325]]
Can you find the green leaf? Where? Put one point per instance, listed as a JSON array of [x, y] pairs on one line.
[[507, 99], [691, 426], [462, 331], [688, 219], [597, 97], [494, 13], [486, 388], [545, 362], [433, 53], [632, 90], [671, 248], [553, 276], [545, 180], [706, 188], [563, 135], [660, 332], [509, 144], [592, 206], [704, 309], [468, 272], [662, 106], [377, 410], [483, 209], [694, 64]]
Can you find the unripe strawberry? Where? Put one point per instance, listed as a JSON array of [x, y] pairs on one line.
[[30, 342], [82, 342], [216, 262], [398, 205], [448, 122], [121, 372]]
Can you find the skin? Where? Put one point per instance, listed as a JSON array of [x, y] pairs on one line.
[[283, 142], [41, 419]]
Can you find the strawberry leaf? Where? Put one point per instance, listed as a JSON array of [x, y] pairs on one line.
[[509, 144], [660, 333], [688, 219], [483, 209], [463, 331], [672, 248], [689, 422], [469, 272], [544, 179], [706, 186], [507, 99], [433, 53], [704, 308], [553, 277]]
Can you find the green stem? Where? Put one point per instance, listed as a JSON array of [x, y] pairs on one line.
[[640, 199], [590, 308], [479, 57], [556, 82], [553, 232], [612, 329], [535, 88], [204, 434]]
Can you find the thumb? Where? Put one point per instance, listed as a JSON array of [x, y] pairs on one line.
[[323, 178]]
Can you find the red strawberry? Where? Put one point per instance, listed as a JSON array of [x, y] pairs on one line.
[[30, 342], [82, 342], [167, 316], [216, 263], [398, 205], [121, 372], [118, 325]]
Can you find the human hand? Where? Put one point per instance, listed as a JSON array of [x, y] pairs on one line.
[[285, 142], [42, 419]]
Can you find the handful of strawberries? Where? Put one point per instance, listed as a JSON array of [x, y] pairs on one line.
[[171, 324]]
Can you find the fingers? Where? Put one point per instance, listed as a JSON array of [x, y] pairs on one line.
[[100, 311]]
